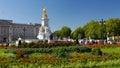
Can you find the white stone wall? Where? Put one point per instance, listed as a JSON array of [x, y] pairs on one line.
[[11, 31], [25, 31], [4, 32]]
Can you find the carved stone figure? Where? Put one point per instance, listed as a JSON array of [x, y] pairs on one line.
[[44, 30]]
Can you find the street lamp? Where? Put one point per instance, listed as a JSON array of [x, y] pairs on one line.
[[24, 33], [102, 30]]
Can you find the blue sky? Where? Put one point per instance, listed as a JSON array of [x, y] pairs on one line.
[[71, 13]]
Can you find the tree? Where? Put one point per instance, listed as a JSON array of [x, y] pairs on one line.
[[92, 29], [113, 26], [65, 32], [78, 33], [57, 33]]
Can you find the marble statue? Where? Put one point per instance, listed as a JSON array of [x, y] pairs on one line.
[[44, 30]]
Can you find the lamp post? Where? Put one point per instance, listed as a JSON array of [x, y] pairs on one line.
[[102, 30], [24, 33], [117, 37]]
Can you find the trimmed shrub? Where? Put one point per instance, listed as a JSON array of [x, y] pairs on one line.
[[83, 49], [61, 52], [45, 45], [51, 50], [96, 51]]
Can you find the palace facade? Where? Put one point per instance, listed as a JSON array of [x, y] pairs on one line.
[[10, 31]]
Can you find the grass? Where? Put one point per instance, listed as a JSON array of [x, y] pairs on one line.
[[113, 67], [5, 54], [110, 50], [1, 51]]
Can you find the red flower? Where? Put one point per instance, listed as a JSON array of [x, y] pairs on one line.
[[80, 59]]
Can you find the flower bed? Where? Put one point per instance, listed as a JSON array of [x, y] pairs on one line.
[[60, 56], [77, 48], [45, 45], [50, 60], [104, 46]]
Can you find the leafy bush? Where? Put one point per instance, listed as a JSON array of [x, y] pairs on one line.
[[96, 51], [45, 45], [20, 54], [51, 50], [61, 52], [83, 49], [76, 60], [114, 42]]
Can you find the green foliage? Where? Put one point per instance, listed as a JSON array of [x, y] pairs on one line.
[[3, 53], [45, 61], [78, 33], [68, 57], [74, 48], [64, 32], [114, 42], [82, 49], [111, 49], [96, 51], [45, 45], [4, 62], [57, 34], [92, 29], [112, 26], [20, 53], [61, 52]]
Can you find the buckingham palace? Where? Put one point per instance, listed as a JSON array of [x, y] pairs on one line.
[[12, 31]]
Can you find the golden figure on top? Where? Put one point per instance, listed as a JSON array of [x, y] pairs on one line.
[[44, 13]]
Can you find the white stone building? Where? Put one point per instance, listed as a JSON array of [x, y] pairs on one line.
[[12, 31]]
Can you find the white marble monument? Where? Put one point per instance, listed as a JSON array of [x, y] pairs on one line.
[[44, 30]]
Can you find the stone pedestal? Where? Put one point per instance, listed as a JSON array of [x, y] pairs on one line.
[[44, 30]]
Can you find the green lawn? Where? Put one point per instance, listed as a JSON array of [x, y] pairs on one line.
[[113, 67], [110, 50], [1, 51], [5, 54]]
